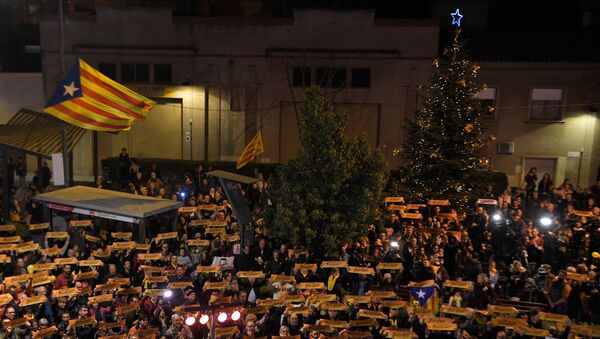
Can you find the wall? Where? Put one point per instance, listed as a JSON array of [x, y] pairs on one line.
[[20, 90], [577, 130]]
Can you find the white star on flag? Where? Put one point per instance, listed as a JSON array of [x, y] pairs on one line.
[[421, 294], [71, 89]]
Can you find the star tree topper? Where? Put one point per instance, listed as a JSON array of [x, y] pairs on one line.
[[456, 17]]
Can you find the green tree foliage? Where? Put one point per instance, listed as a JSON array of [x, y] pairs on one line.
[[329, 193], [444, 143]]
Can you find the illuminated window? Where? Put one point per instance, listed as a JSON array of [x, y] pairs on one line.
[[546, 104], [487, 102]]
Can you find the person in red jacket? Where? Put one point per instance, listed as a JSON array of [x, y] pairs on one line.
[[63, 279]]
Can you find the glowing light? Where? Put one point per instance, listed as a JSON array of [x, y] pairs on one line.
[[190, 321], [545, 221], [168, 293], [204, 319], [222, 317], [456, 17], [235, 316], [497, 217], [394, 244]]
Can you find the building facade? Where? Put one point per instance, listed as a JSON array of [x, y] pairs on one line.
[[220, 80]]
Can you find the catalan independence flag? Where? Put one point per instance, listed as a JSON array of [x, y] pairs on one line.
[[425, 294], [88, 99], [254, 148]]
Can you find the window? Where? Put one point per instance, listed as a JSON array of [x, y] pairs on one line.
[[109, 69], [139, 73], [546, 104], [331, 77], [301, 76], [487, 103], [162, 74], [361, 78]]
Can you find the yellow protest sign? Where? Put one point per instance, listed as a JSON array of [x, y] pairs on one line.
[[92, 238], [86, 275], [256, 310], [180, 285], [37, 227], [156, 279], [187, 209], [251, 274], [457, 310], [38, 299], [208, 269], [560, 318], [226, 331], [150, 256], [43, 280], [433, 202], [215, 285], [123, 245], [165, 236], [13, 239], [390, 266], [406, 215], [447, 326], [334, 264], [398, 200], [298, 310], [382, 294], [284, 279], [45, 332], [92, 262], [66, 261], [57, 235], [371, 314], [107, 287], [122, 235], [465, 285], [306, 267], [65, 292], [7, 228], [333, 323], [496, 309], [127, 308], [81, 223], [15, 323], [333, 306], [119, 281], [394, 303], [361, 270], [102, 298], [357, 299], [105, 326], [5, 298], [198, 242], [312, 286]]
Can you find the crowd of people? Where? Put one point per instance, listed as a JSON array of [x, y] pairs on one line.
[[419, 271]]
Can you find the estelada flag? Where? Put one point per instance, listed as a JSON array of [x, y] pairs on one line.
[[88, 99], [254, 148], [425, 294]]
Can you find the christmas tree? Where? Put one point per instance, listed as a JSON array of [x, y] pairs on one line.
[[445, 144], [328, 195]]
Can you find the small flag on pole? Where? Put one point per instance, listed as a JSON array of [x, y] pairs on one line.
[[254, 148], [88, 99]]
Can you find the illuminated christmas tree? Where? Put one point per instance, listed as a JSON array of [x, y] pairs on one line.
[[445, 144]]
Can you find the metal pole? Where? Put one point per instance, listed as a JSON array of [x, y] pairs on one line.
[[206, 108], [95, 156], [63, 125], [579, 168], [7, 185]]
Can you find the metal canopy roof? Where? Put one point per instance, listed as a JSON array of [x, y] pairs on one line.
[[105, 201], [38, 133], [233, 177]]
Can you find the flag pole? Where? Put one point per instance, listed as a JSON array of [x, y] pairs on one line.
[[63, 125]]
